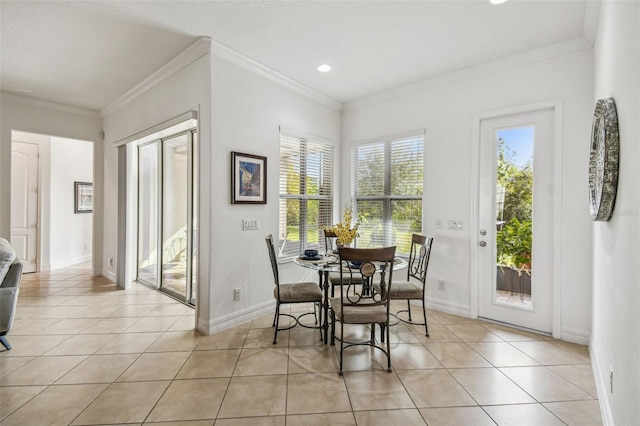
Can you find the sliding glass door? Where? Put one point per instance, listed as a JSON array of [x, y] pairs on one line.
[[166, 223]]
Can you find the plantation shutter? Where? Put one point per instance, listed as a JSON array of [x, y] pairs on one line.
[[306, 193], [387, 186]]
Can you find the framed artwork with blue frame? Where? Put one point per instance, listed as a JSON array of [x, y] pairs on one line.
[[248, 179]]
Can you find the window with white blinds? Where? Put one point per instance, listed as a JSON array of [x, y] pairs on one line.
[[387, 186], [306, 193]]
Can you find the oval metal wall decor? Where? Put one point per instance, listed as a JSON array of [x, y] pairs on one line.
[[603, 160]]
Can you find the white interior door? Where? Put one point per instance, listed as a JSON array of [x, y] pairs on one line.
[[537, 312], [24, 203]]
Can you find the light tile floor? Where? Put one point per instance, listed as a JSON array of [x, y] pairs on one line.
[[85, 352]]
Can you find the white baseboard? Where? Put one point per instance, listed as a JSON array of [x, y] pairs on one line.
[[110, 275], [70, 262], [602, 389], [449, 307], [574, 335], [235, 318]]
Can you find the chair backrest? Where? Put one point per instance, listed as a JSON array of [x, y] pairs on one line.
[[330, 241], [419, 257], [274, 262], [367, 262]]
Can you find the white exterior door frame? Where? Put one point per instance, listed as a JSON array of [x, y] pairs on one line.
[[474, 228]]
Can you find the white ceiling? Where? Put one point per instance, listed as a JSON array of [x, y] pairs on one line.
[[89, 53]]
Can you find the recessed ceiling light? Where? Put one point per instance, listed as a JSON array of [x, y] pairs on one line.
[[324, 68], [497, 1]]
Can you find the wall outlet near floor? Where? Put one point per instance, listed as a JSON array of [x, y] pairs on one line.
[[110, 261], [441, 285], [611, 379], [237, 294]]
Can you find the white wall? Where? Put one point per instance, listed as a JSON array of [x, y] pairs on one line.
[[239, 111], [71, 237], [615, 341], [446, 111], [23, 114], [187, 89], [247, 112]]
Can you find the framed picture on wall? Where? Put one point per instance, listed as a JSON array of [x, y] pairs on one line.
[[83, 197], [248, 179]]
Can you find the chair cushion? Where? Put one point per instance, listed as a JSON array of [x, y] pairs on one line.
[[334, 278], [298, 292], [7, 257], [405, 290], [362, 313]]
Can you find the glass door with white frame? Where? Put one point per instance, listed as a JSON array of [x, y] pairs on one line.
[[166, 224], [515, 217]]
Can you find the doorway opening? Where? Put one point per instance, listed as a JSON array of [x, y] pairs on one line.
[[48, 230]]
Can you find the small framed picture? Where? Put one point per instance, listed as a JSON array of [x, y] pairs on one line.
[[248, 179], [83, 199]]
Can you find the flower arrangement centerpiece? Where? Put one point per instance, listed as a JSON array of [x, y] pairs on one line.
[[343, 230]]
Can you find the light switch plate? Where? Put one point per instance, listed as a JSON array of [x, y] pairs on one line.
[[249, 224]]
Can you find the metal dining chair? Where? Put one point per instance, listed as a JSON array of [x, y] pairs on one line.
[[354, 307], [414, 290], [331, 246], [300, 292]]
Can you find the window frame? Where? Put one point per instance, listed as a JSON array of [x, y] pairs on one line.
[[387, 198], [325, 174]]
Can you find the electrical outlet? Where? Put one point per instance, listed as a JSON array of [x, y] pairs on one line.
[[237, 294], [611, 379], [110, 261], [249, 224], [438, 223], [441, 285], [455, 225]]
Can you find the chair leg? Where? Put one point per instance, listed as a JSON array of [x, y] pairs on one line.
[[5, 342], [333, 328], [409, 309], [341, 346], [424, 313], [320, 315], [275, 317], [388, 351], [276, 322]]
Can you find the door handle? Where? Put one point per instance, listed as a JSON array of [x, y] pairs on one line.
[[483, 232], [483, 244]]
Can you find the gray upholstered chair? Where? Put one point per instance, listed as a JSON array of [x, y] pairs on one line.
[[354, 307], [414, 289], [10, 276], [303, 292]]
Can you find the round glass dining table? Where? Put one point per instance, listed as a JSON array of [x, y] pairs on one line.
[[325, 264]]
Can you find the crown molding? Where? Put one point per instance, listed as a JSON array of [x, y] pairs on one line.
[[195, 51], [560, 49], [39, 103], [256, 67]]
